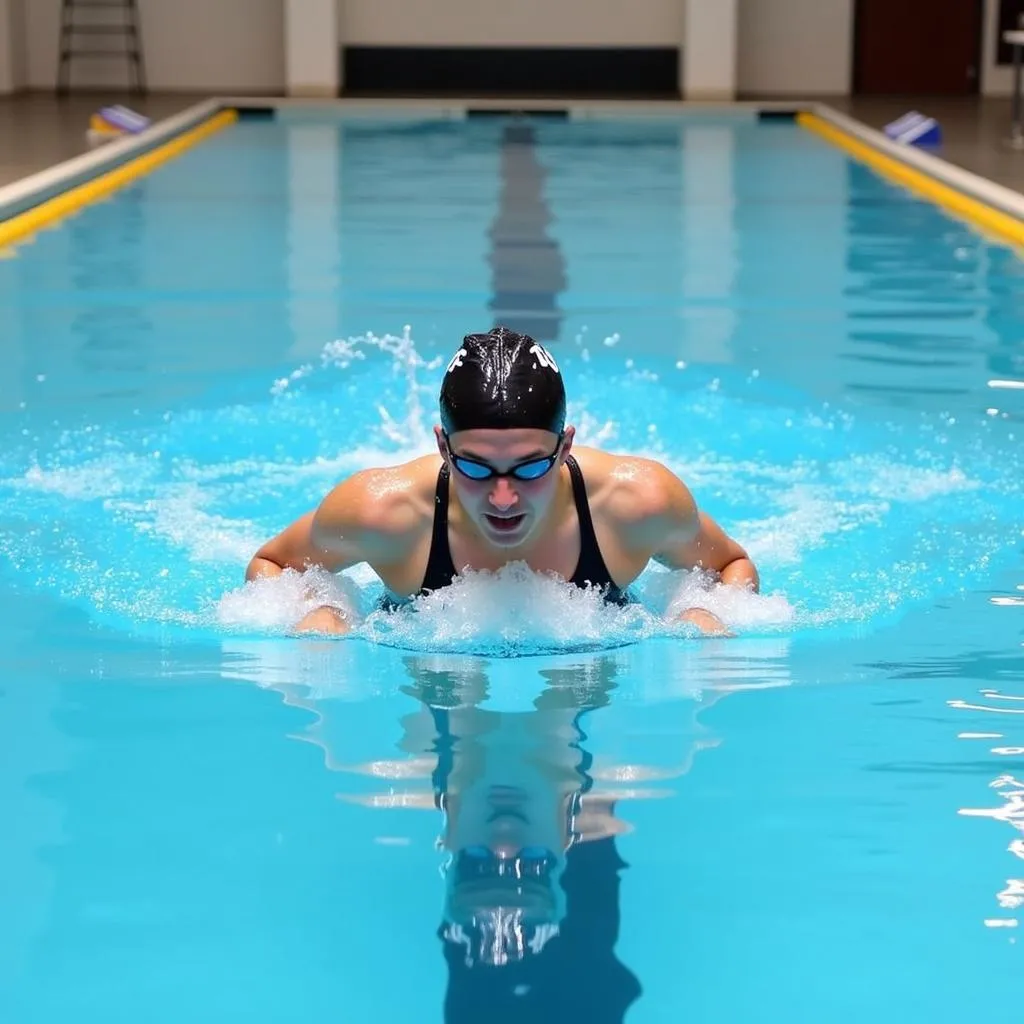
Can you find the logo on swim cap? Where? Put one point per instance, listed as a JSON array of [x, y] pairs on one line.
[[544, 357], [504, 380]]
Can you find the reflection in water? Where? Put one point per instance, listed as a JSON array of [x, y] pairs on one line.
[[1008, 787], [528, 268], [1003, 311], [525, 766], [994, 713], [919, 331], [709, 242], [111, 329], [531, 871]]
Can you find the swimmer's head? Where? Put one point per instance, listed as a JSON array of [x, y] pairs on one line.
[[509, 845], [502, 380], [501, 909], [503, 433]]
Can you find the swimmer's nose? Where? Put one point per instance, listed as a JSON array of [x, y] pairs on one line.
[[504, 496]]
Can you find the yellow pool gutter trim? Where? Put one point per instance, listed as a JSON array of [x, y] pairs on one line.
[[991, 208], [23, 225]]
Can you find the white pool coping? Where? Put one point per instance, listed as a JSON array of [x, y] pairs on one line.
[[975, 185], [36, 188]]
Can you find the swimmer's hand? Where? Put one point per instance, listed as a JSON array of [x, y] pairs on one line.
[[323, 620], [708, 623]]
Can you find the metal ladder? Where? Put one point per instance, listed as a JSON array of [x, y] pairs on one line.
[[98, 37]]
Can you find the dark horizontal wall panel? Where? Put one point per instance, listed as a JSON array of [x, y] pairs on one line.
[[600, 72]]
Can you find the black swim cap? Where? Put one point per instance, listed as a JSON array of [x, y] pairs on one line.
[[499, 380]]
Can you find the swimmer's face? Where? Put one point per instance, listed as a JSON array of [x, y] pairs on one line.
[[507, 844], [507, 509]]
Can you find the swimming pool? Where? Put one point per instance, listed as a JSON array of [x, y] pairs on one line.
[[819, 820]]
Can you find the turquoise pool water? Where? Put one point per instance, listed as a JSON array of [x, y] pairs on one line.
[[206, 819]]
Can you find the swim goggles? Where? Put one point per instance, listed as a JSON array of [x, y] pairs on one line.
[[476, 862], [532, 470]]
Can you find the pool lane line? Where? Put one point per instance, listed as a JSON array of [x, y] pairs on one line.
[[23, 226], [967, 207], [528, 270]]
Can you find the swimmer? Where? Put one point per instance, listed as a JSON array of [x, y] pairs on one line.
[[507, 484]]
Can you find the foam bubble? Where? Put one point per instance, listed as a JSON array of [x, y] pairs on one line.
[[511, 612], [179, 518], [95, 480], [670, 593], [881, 478], [276, 604]]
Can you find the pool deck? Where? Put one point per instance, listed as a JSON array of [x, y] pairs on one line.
[[38, 130], [974, 131]]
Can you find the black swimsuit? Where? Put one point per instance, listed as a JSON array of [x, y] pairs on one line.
[[589, 569]]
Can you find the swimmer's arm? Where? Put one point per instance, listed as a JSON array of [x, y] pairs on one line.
[[292, 548], [712, 550], [371, 517], [347, 528], [350, 526], [667, 524]]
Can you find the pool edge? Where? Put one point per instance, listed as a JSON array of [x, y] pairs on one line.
[[43, 198], [993, 209]]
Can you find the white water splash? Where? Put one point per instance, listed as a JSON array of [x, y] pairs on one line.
[[157, 521], [514, 611], [410, 429]]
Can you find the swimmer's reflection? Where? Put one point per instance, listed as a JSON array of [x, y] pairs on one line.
[[543, 946], [531, 906]]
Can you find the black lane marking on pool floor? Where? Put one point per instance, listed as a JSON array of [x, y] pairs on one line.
[[256, 113], [553, 114], [527, 265]]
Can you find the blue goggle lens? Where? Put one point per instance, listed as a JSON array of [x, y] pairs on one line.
[[479, 471], [474, 470], [480, 861], [532, 470]]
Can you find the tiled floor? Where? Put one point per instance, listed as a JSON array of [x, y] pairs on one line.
[[38, 130]]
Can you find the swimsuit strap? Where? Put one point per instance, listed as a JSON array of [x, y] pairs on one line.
[[588, 538], [444, 747], [440, 567], [591, 567]]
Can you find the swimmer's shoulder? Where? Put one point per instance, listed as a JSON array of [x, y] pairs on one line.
[[631, 491], [387, 504]]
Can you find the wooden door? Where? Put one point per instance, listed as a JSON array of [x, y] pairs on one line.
[[917, 47]]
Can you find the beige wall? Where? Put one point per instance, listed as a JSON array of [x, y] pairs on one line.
[[189, 45], [784, 47], [995, 80], [12, 57], [19, 59], [311, 50], [794, 47], [6, 41], [708, 65], [511, 22]]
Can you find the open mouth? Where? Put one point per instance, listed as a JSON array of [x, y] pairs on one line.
[[504, 524]]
